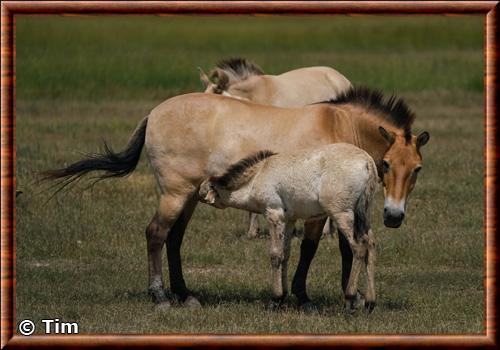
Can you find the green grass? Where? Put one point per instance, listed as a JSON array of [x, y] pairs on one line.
[[82, 256]]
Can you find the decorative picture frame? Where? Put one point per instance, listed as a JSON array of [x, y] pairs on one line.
[[11, 9]]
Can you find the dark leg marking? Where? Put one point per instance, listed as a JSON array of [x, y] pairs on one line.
[[307, 251], [174, 242]]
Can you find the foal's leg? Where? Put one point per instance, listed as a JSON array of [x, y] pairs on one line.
[[345, 223], [346, 255], [289, 228], [168, 211], [370, 272], [174, 241], [277, 230], [253, 226], [308, 247]]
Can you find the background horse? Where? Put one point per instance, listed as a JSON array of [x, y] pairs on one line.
[[237, 77], [336, 180], [191, 137], [240, 78]]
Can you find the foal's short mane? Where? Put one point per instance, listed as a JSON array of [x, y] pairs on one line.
[[238, 173], [394, 109]]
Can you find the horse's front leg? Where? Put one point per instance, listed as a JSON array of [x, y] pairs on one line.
[[370, 272], [308, 247], [277, 230]]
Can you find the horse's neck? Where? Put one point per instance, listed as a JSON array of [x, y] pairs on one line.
[[361, 128]]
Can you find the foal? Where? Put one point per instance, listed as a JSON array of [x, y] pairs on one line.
[[336, 180]]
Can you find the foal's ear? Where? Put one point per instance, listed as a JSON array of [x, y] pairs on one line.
[[388, 135], [422, 139], [204, 77], [207, 193]]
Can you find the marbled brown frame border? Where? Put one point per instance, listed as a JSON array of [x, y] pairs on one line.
[[9, 9]]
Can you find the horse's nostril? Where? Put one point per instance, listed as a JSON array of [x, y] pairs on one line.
[[385, 210]]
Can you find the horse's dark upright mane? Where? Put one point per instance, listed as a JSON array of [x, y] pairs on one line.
[[231, 178], [240, 67], [394, 109]]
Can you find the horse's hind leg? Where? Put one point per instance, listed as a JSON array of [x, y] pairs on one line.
[[174, 242], [156, 233], [169, 209]]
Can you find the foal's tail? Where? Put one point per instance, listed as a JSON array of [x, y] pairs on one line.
[[114, 164], [362, 209]]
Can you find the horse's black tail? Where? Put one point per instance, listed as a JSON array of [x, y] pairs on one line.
[[114, 164]]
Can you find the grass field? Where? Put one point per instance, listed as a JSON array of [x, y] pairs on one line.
[[81, 257]]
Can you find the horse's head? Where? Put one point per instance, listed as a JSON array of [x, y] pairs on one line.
[[400, 166], [217, 83]]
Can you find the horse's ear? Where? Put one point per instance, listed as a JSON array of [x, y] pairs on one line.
[[422, 139], [204, 77], [222, 80], [388, 135]]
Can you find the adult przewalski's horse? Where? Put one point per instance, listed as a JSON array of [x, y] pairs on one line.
[[240, 78], [192, 137]]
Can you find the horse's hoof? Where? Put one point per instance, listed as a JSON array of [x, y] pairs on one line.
[[369, 306], [192, 302], [162, 307], [158, 296], [360, 300], [349, 307], [351, 303], [276, 303], [308, 307]]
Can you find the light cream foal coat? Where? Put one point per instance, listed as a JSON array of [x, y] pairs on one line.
[[336, 180]]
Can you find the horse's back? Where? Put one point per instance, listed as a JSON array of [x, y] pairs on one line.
[[309, 85]]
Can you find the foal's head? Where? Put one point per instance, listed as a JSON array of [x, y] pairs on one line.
[[400, 167], [217, 190]]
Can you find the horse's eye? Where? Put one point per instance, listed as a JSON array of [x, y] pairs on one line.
[[385, 166], [417, 169]]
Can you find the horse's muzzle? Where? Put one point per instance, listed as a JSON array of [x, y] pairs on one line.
[[393, 218]]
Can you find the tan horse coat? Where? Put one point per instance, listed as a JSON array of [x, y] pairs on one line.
[[191, 137]]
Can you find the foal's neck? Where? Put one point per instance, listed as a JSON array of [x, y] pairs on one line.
[[243, 197]]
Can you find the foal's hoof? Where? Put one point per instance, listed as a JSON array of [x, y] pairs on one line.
[[162, 307], [308, 307], [192, 302], [353, 303], [276, 303], [369, 306]]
